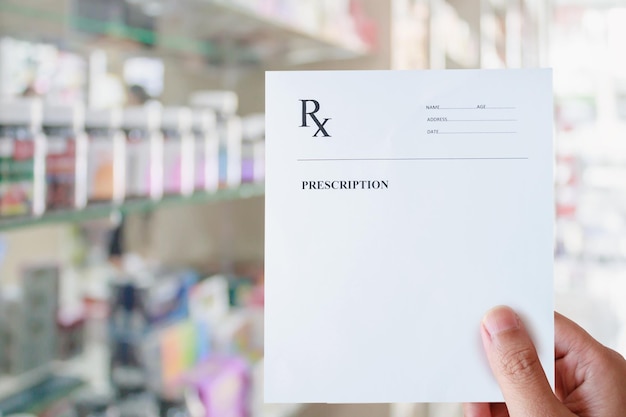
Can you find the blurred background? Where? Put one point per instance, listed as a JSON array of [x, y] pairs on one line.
[[132, 168]]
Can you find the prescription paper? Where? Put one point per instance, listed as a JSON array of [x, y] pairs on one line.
[[400, 207]]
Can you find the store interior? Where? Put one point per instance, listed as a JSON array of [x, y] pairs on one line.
[[132, 182]]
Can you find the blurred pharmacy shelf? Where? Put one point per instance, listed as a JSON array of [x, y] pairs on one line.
[[225, 32], [276, 37], [41, 386], [88, 367], [86, 370], [133, 206]]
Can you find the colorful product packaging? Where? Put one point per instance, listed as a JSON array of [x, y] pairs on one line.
[[144, 152], [21, 158], [166, 299], [178, 158], [172, 347], [66, 157], [106, 163], [205, 151], [171, 351], [222, 386]]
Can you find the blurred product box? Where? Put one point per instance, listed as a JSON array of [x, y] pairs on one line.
[[40, 288], [21, 158], [240, 290], [253, 149], [205, 150], [66, 157], [224, 104], [171, 351], [178, 158], [106, 156], [248, 339], [144, 152], [14, 339], [167, 297], [221, 385], [28, 326], [209, 300]]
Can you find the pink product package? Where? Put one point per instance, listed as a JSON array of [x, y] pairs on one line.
[[222, 384]]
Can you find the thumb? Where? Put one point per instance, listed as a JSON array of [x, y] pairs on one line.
[[515, 364]]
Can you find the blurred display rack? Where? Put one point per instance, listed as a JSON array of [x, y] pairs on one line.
[[132, 206], [11, 387], [223, 31]]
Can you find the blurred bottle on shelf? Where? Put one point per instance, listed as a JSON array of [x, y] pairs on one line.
[[253, 149], [21, 158], [224, 104], [144, 152], [205, 150], [66, 156], [178, 159], [106, 161]]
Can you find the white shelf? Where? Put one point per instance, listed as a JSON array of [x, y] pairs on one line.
[[261, 37]]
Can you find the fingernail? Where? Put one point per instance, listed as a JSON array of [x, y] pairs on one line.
[[500, 319]]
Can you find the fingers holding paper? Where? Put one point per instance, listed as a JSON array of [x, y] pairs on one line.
[[590, 378], [515, 365]]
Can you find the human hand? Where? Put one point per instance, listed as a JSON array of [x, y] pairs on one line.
[[590, 378]]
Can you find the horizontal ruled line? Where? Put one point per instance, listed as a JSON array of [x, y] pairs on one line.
[[475, 108], [474, 133], [415, 159], [481, 120]]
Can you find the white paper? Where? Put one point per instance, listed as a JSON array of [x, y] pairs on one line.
[[376, 295]]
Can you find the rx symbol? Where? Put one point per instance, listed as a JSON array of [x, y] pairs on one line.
[[310, 114]]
